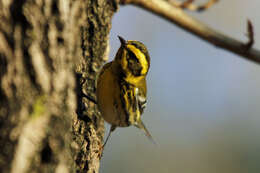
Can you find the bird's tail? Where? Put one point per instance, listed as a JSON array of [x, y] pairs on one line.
[[141, 125]]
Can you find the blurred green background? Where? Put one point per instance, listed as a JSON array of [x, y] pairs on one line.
[[203, 103]]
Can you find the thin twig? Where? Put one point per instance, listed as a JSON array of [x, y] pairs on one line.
[[188, 4], [185, 4], [197, 28], [250, 34]]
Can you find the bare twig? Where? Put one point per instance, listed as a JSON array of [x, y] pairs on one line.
[[188, 23], [185, 4], [250, 34], [188, 4]]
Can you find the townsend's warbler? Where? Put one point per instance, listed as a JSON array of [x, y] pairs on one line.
[[121, 86]]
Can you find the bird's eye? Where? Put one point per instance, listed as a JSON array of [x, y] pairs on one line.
[[133, 65], [132, 56]]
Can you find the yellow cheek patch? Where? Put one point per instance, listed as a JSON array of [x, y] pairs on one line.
[[141, 57]]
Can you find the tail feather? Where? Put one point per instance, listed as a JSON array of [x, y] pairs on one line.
[[141, 125]]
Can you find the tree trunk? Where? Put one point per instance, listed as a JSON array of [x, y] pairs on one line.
[[50, 53]]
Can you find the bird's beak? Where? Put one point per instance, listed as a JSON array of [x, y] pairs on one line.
[[123, 42]]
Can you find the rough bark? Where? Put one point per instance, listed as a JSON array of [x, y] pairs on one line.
[[50, 53]]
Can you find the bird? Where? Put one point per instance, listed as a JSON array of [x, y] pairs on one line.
[[121, 87]]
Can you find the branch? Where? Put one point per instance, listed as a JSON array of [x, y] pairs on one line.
[[197, 28]]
